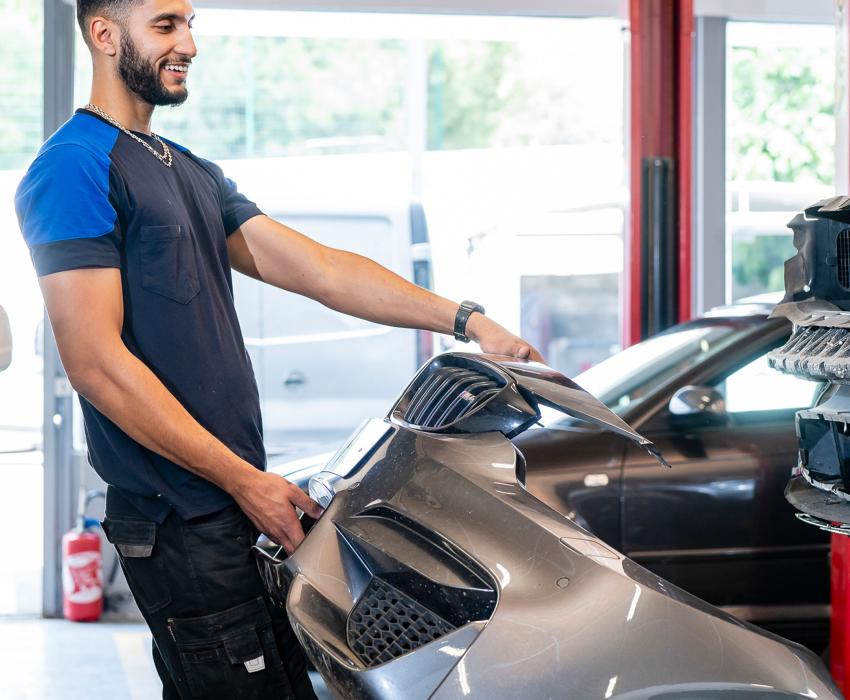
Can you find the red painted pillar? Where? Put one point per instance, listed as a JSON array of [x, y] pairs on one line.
[[839, 643], [839, 651], [660, 133]]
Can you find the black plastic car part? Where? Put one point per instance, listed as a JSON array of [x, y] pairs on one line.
[[415, 587], [815, 352], [821, 267], [386, 623], [817, 302], [458, 393]]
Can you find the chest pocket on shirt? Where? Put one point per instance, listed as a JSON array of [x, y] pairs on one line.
[[169, 263]]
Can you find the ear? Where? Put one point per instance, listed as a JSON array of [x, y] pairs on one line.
[[105, 35]]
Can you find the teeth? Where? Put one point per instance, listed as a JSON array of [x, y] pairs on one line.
[[176, 68]]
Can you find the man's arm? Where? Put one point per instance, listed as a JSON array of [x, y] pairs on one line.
[[86, 312], [354, 285]]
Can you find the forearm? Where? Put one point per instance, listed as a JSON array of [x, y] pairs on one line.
[[125, 390], [361, 287], [357, 286], [344, 281]]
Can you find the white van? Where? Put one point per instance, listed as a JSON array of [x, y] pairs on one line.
[[320, 373]]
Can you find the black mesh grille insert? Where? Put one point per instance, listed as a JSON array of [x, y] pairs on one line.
[[448, 394], [843, 252], [387, 623]]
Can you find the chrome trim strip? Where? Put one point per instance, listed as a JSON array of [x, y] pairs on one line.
[[775, 613], [728, 552]]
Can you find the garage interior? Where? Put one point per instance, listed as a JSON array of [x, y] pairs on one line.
[[594, 172]]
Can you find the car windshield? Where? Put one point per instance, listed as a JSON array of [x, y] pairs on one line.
[[627, 377]]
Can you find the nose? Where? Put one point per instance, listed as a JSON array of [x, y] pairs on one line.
[[186, 45]]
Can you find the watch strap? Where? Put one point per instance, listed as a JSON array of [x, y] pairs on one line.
[[465, 310]]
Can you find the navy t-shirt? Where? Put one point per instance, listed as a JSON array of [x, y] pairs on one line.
[[94, 197]]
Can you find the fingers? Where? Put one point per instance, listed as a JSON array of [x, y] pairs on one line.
[[284, 542], [288, 534], [305, 503], [535, 356], [275, 533], [527, 352]]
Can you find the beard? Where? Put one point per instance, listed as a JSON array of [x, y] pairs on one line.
[[142, 77]]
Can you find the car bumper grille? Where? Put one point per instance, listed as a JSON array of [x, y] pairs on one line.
[[387, 623]]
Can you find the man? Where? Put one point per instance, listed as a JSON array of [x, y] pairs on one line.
[[133, 238]]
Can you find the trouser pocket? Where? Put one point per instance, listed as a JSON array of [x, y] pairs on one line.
[[135, 541], [231, 654]]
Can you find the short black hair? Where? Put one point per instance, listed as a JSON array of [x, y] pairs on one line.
[[112, 9]]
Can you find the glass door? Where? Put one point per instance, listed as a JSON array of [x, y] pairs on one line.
[[21, 462]]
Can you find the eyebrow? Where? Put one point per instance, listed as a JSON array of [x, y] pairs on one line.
[[171, 16]]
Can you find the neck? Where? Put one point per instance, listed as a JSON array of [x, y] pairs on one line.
[[122, 105]]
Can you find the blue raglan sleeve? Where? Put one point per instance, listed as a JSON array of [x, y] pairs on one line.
[[66, 212]]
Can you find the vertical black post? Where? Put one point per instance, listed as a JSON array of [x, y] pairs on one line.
[[659, 224]]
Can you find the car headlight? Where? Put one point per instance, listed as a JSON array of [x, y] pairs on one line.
[[348, 459], [322, 489]]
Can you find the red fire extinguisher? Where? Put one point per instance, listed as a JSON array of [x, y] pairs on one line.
[[82, 578]]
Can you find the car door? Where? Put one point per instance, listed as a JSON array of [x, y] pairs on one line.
[[717, 523], [576, 471]]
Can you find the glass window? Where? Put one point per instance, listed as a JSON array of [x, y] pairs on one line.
[[571, 319], [524, 179], [516, 156], [758, 387], [627, 377], [21, 49], [780, 144], [20, 138]]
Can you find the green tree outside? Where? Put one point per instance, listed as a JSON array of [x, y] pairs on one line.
[[781, 128], [20, 82], [781, 117]]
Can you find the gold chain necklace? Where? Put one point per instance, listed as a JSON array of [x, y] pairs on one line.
[[164, 157]]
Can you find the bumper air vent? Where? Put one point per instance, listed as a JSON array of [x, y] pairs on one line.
[[387, 623], [843, 254], [816, 353], [447, 395]]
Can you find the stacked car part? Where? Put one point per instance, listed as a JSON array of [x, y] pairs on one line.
[[817, 302]]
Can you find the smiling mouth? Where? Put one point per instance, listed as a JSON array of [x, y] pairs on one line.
[[177, 68]]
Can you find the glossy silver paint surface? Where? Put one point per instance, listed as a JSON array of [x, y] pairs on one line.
[[573, 617]]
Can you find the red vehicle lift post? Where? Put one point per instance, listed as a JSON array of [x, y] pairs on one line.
[[839, 633], [657, 289]]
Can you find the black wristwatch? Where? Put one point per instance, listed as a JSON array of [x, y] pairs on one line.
[[462, 316]]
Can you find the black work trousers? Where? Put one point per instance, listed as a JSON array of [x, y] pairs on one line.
[[215, 633]]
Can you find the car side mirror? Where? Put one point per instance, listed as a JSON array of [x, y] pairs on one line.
[[5, 341], [693, 406]]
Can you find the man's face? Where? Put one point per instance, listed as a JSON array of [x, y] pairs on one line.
[[156, 50]]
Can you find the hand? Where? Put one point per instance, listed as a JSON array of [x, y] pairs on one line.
[[495, 339], [269, 501]]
